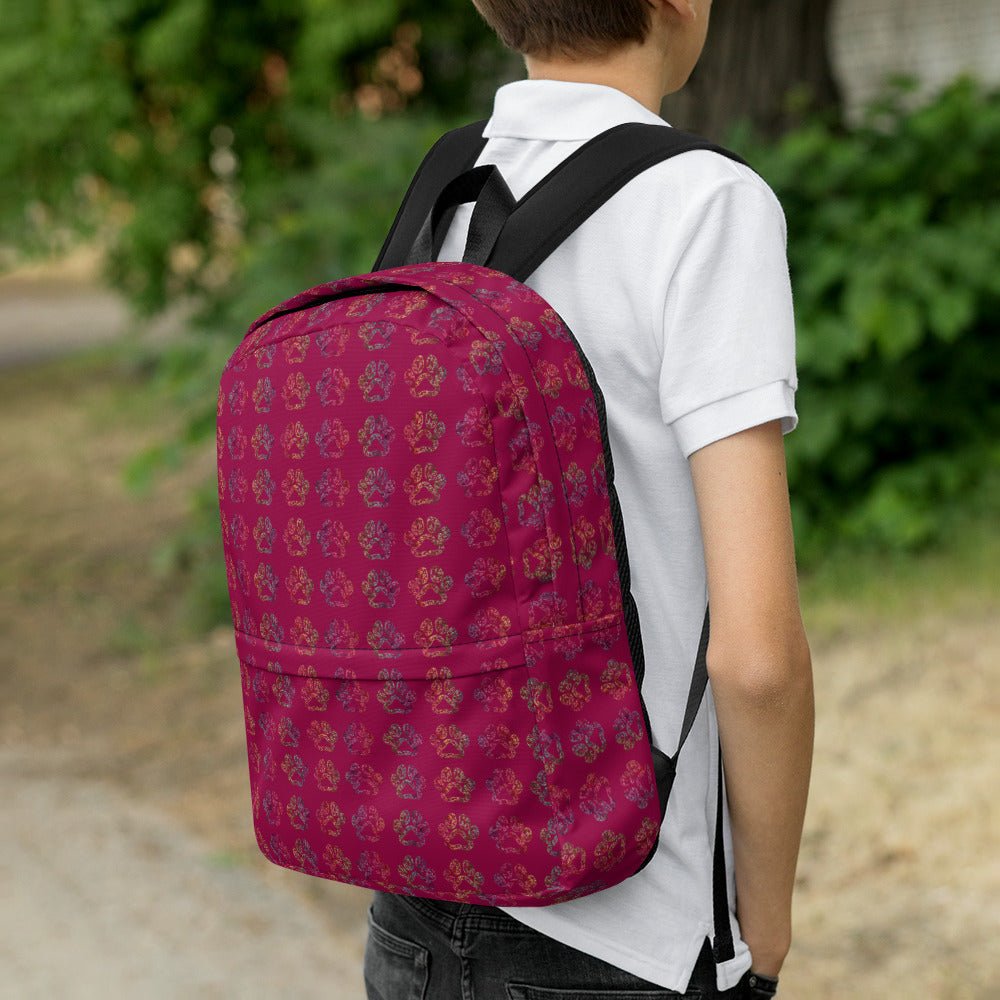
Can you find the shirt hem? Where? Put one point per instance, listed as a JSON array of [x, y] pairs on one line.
[[671, 975]]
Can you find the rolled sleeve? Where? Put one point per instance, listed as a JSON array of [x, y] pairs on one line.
[[700, 427], [728, 357]]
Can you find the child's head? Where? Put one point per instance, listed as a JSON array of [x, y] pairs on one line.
[[545, 28], [668, 34]]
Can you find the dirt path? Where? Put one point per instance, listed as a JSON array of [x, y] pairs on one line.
[[69, 319], [51, 309], [47, 310], [107, 897]]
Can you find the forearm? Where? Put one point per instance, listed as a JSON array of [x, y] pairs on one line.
[[766, 727]]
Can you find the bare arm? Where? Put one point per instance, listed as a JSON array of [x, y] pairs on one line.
[[761, 674]]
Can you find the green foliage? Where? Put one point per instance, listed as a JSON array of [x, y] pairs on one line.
[[165, 127], [317, 225], [893, 239]]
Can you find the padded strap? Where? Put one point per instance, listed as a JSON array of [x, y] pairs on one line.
[[454, 152], [580, 185]]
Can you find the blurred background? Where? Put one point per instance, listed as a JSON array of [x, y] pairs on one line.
[[173, 168]]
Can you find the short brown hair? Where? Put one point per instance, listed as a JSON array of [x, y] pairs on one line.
[[566, 27]]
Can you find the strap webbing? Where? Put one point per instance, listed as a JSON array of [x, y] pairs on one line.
[[453, 153], [722, 946], [664, 766], [699, 681]]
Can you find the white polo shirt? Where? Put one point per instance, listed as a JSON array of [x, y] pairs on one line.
[[678, 291]]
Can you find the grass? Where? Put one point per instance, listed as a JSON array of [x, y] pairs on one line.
[[860, 589]]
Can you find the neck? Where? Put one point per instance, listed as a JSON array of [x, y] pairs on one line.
[[637, 71]]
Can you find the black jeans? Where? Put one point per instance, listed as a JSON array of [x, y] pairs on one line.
[[421, 949]]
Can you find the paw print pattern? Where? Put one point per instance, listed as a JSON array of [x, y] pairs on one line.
[[416, 515]]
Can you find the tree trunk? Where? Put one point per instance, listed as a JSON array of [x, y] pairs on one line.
[[766, 61]]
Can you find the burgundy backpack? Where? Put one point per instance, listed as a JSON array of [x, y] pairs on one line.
[[440, 654]]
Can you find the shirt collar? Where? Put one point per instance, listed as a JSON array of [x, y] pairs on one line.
[[562, 109]]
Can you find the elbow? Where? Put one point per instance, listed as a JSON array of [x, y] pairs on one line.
[[763, 672]]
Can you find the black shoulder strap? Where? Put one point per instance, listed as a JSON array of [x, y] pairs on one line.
[[580, 185], [699, 681], [723, 946], [453, 153]]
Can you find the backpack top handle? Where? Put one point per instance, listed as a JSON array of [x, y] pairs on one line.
[[494, 203]]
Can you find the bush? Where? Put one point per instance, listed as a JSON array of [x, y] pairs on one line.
[[163, 127], [893, 243]]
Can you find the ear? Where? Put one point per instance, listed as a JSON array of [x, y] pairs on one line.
[[685, 9]]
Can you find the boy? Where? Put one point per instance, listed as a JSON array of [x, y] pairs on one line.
[[678, 291]]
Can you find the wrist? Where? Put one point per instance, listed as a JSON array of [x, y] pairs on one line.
[[767, 953], [761, 987], [767, 961], [765, 965]]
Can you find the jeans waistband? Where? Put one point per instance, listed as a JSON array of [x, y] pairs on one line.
[[444, 914]]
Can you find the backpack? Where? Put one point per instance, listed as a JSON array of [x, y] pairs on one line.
[[441, 658]]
